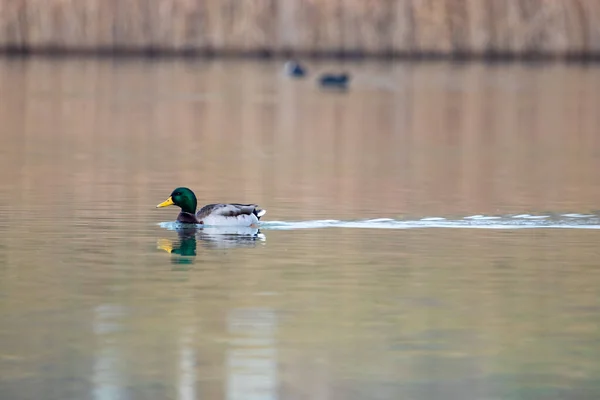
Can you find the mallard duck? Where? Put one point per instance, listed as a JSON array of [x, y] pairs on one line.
[[232, 214]]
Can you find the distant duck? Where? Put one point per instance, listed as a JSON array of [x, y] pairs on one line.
[[334, 80], [293, 68]]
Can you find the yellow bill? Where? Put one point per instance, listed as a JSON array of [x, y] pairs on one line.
[[166, 203], [164, 244]]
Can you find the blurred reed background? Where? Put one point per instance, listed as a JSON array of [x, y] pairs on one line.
[[328, 27]]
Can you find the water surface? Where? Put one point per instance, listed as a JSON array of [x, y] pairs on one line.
[[103, 297]]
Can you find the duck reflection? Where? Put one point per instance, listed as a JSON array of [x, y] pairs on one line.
[[211, 238]]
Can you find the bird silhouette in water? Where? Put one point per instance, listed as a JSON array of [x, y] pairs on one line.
[[327, 80], [294, 69], [332, 80]]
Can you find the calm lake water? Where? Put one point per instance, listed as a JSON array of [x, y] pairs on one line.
[[102, 297]]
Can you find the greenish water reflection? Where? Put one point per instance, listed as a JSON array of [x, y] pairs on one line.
[[183, 248]]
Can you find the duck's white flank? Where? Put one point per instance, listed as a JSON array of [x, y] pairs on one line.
[[240, 220]]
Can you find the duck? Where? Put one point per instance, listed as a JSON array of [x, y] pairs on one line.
[[334, 80], [294, 69], [220, 214]]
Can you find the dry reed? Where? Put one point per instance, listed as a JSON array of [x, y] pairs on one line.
[[369, 27]]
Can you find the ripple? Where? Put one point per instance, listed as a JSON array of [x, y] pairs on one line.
[[482, 217], [578, 215], [521, 221]]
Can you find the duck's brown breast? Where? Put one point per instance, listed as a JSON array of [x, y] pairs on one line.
[[187, 218]]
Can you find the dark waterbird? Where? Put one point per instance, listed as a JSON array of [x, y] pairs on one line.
[[334, 80], [293, 68]]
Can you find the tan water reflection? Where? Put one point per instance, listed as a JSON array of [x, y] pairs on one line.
[[91, 308]]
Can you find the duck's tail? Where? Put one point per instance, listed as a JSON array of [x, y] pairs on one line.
[[259, 212]]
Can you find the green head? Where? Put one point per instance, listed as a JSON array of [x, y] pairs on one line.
[[181, 197]]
